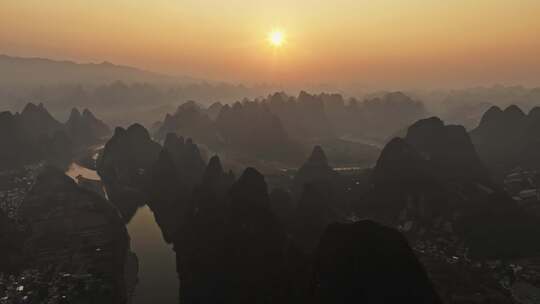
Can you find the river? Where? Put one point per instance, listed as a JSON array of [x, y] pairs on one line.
[[158, 280]]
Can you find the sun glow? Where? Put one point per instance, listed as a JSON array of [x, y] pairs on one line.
[[276, 38]]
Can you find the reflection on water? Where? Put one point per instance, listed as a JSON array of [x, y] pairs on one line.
[[158, 281], [76, 170]]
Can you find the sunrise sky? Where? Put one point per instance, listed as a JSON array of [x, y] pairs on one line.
[[414, 43]]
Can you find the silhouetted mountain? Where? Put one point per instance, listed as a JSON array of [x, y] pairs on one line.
[[120, 102], [381, 117], [189, 120], [321, 117], [19, 71], [348, 153], [46, 134], [401, 179], [214, 185], [448, 149], [250, 129], [303, 117], [430, 154], [279, 126], [509, 138], [400, 163], [240, 253], [124, 165], [208, 196], [243, 131], [201, 234], [430, 150], [85, 128], [36, 121], [466, 106], [166, 195], [322, 196], [16, 150], [187, 160], [213, 110], [173, 177], [32, 136], [366, 262], [254, 257], [128, 154], [416, 186], [315, 169]]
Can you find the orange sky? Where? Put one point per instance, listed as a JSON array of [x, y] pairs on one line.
[[394, 44]]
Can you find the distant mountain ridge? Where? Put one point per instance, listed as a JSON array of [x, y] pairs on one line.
[[31, 71], [509, 138], [34, 135]]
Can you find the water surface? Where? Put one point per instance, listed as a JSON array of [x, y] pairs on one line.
[[158, 280]]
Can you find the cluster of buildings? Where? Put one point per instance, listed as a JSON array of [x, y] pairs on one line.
[[51, 287], [446, 259], [14, 184], [456, 277], [75, 243]]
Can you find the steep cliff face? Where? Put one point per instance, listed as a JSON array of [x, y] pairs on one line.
[[173, 176], [208, 195], [200, 239], [124, 167], [186, 157], [232, 244], [254, 253]]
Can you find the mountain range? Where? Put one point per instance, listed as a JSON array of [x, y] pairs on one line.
[[24, 71]]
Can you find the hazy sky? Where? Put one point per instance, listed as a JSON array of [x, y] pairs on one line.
[[379, 43]]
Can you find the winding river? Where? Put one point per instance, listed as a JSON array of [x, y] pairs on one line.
[[157, 278]]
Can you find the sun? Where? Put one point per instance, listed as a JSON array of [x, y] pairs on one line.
[[276, 38]]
